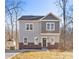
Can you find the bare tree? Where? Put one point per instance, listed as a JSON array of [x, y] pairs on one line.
[[66, 12], [13, 8], [64, 18], [66, 8], [16, 13], [7, 31], [11, 21]]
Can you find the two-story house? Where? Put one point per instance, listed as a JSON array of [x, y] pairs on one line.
[[36, 32]]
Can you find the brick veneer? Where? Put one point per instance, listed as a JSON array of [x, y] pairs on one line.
[[39, 46]]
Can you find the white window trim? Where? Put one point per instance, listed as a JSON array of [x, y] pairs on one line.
[[29, 26], [27, 41], [50, 26]]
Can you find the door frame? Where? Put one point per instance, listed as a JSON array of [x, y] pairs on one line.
[[42, 41]]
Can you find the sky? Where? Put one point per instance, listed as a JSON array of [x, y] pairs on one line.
[[36, 7], [40, 7]]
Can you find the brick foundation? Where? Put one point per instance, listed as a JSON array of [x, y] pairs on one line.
[[39, 46]]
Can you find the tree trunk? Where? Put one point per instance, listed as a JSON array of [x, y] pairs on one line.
[[64, 18], [16, 29]]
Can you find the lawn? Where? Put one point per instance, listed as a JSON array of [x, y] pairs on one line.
[[44, 55]]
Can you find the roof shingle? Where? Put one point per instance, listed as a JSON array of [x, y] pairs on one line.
[[30, 17], [50, 16]]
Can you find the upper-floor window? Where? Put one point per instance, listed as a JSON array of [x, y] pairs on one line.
[[50, 26], [28, 26]]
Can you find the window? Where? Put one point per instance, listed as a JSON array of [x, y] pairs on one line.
[[50, 26], [36, 40], [31, 26], [25, 40], [28, 26]]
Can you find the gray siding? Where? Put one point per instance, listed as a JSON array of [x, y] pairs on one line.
[[43, 27], [38, 28], [51, 16], [29, 34]]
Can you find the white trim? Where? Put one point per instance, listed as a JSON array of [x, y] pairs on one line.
[[29, 26], [50, 26], [50, 20], [39, 20], [50, 33], [30, 21], [42, 41], [23, 41]]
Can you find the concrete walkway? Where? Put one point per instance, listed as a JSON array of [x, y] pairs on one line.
[[8, 55]]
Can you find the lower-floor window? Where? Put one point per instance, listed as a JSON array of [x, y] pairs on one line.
[[25, 40]]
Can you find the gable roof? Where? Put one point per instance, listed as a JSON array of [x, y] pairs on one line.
[[50, 16]]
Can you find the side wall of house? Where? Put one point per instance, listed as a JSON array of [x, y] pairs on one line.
[[38, 28], [30, 35]]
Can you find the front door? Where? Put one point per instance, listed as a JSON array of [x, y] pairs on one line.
[[44, 42]]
